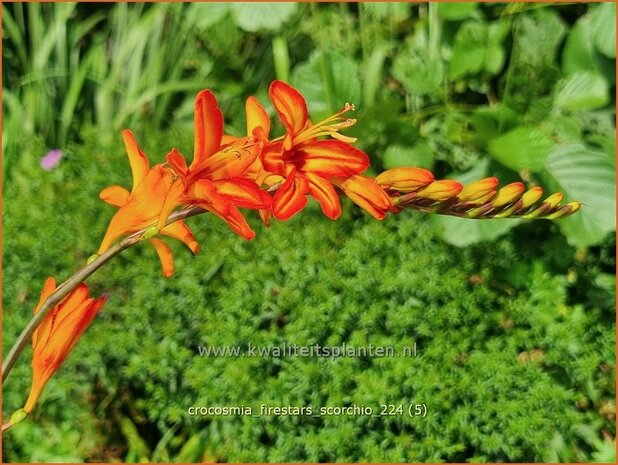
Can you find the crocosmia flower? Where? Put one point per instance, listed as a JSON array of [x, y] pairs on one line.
[[154, 194], [305, 161], [60, 330], [217, 179]]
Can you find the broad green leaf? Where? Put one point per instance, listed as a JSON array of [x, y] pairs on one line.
[[539, 35], [580, 54], [456, 11], [522, 148], [252, 17], [588, 176], [469, 49], [400, 155], [494, 58], [207, 14], [417, 73], [582, 91], [312, 79], [603, 24], [463, 231]]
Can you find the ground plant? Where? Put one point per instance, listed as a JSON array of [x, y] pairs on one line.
[[478, 246]]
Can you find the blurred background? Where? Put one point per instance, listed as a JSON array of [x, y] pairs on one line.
[[514, 320]]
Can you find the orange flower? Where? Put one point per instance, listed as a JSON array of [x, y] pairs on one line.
[[305, 162], [154, 195], [367, 194], [54, 339], [217, 178]]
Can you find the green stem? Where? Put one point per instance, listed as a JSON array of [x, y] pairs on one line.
[[66, 287]]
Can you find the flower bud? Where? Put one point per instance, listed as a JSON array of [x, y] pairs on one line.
[[478, 189], [440, 190], [554, 199], [508, 194], [566, 210], [405, 179], [531, 197]]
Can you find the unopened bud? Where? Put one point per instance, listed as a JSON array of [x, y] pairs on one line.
[[92, 258], [566, 210], [440, 190], [478, 189], [18, 416], [554, 199], [508, 194], [531, 197], [405, 179]]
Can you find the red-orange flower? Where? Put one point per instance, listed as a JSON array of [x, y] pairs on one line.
[[216, 180], [306, 162], [154, 195], [54, 339], [367, 194]]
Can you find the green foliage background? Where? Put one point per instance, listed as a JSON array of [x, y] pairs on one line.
[[515, 321]]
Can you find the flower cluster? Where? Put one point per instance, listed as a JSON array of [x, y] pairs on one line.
[[276, 175], [273, 175]]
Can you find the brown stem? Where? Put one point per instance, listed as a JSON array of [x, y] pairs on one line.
[[66, 287]]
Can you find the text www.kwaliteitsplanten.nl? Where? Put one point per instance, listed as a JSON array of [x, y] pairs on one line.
[[314, 350]]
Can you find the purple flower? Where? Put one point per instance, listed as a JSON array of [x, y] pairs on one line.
[[51, 159]]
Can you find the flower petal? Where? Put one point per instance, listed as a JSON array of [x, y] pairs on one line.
[[165, 256], [137, 158], [143, 209], [203, 193], [290, 105], [272, 157], [208, 121], [179, 230], [178, 164], [324, 192], [116, 196], [329, 158], [290, 198], [242, 192], [232, 160], [256, 117], [368, 195]]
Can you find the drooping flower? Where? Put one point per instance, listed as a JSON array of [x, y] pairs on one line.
[[60, 330], [155, 193], [305, 163], [217, 179]]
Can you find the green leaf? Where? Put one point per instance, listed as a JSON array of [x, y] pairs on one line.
[[522, 148], [603, 24], [582, 91], [580, 54], [465, 231], [400, 155], [588, 176], [456, 11], [311, 78], [469, 49], [208, 14], [252, 17], [417, 73]]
